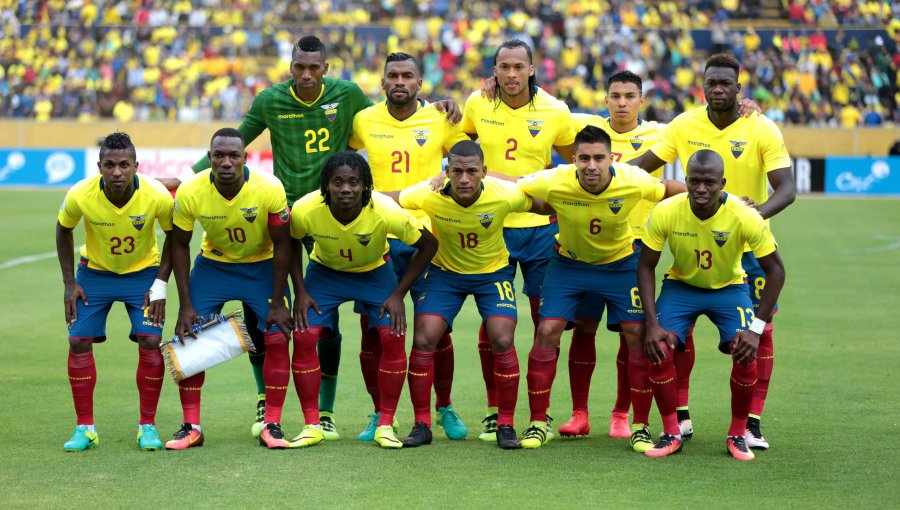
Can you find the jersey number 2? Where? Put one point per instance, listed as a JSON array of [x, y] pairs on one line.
[[319, 138]]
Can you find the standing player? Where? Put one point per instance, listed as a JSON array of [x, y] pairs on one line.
[[517, 131], [467, 217], [595, 262], [707, 230], [755, 157], [119, 262], [244, 256], [406, 139], [350, 262]]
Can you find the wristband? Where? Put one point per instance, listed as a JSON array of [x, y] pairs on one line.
[[158, 290], [757, 326]]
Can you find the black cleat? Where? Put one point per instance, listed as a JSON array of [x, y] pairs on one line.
[[418, 436], [506, 438]]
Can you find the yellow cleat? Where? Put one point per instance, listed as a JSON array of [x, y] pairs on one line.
[[641, 440], [311, 435], [385, 437], [537, 435]]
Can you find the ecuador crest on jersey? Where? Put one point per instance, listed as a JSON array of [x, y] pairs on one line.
[[485, 219], [331, 110], [636, 142], [721, 237], [421, 136], [249, 213], [364, 239], [737, 148], [534, 126], [138, 221], [615, 204]]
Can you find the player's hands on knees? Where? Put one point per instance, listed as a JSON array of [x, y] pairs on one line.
[[437, 182], [656, 334], [302, 303], [71, 295], [187, 317], [745, 345], [451, 108], [747, 107], [394, 306], [280, 316], [749, 201], [489, 88]]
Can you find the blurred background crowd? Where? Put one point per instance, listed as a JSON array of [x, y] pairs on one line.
[[816, 62]]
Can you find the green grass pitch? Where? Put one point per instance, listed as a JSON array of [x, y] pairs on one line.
[[831, 417]]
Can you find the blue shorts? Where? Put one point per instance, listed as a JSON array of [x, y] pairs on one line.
[[102, 289], [577, 286], [401, 255], [332, 288], [679, 305], [445, 292], [593, 310], [214, 283], [531, 248], [756, 279]]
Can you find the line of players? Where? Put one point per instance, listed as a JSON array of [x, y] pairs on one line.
[[406, 138]]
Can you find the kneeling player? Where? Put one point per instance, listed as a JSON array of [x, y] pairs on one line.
[[707, 230], [349, 262], [118, 263]]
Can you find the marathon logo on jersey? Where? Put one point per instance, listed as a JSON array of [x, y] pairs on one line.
[[737, 148], [421, 136], [636, 143], [330, 110], [138, 221], [249, 213], [615, 204], [720, 237], [534, 126], [363, 239], [485, 219]]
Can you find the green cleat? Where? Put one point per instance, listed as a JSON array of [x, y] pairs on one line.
[[448, 419], [641, 440], [148, 438], [82, 439], [489, 432], [260, 416], [326, 420]]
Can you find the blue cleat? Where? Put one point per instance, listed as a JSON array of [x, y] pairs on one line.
[[368, 433], [148, 438], [82, 439], [448, 419]]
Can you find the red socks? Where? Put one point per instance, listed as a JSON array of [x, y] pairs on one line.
[[369, 354], [743, 380], [149, 378], [443, 371], [623, 389], [276, 373], [639, 382], [582, 360], [189, 391], [307, 373], [765, 359], [541, 372], [662, 382], [506, 377], [486, 354], [421, 377], [391, 373], [684, 364], [82, 379]]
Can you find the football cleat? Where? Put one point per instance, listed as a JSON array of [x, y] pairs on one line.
[[418, 436], [687, 428], [82, 439], [489, 432], [326, 420], [738, 449], [186, 437], [754, 437], [448, 419], [667, 445], [385, 437], [506, 438], [536, 435], [618, 426], [578, 425], [272, 437], [258, 424], [148, 438], [368, 433], [311, 435], [641, 440]]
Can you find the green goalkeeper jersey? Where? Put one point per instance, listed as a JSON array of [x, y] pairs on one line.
[[303, 134]]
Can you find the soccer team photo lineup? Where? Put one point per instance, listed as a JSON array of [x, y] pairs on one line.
[[451, 200]]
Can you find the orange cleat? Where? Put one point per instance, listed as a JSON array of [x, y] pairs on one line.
[[618, 426], [737, 447], [578, 425]]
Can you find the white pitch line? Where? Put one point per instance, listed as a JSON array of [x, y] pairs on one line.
[[895, 245], [27, 260]]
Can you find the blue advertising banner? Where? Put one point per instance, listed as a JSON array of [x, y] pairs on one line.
[[863, 176], [41, 167]]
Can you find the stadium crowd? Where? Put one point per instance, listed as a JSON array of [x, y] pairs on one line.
[[202, 60]]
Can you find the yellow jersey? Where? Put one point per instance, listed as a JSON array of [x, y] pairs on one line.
[[707, 253], [118, 240], [518, 141], [594, 229], [625, 147], [470, 239], [360, 245], [236, 229]]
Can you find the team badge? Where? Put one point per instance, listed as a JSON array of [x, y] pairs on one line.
[[138, 221], [720, 237], [615, 204], [285, 215], [534, 127], [737, 148], [363, 238], [485, 219], [421, 136], [330, 110], [249, 213], [636, 143]]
